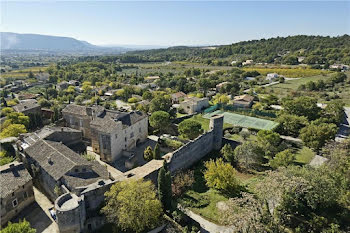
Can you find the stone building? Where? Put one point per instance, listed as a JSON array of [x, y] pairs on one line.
[[111, 132], [243, 101], [28, 106], [76, 185], [16, 190], [194, 104], [79, 117]]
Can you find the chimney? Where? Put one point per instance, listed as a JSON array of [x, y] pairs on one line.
[[49, 159]]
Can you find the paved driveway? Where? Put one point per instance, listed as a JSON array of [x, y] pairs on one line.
[[37, 214]]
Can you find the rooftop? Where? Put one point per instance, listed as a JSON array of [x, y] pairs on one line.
[[13, 176], [24, 105], [246, 98]]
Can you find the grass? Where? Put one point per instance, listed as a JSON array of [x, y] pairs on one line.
[[23, 72], [304, 155], [289, 72], [205, 122]]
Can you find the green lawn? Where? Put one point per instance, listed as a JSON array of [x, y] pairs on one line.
[[304, 155], [205, 122]]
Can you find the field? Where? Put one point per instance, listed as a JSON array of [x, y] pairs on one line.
[[244, 121], [289, 72]]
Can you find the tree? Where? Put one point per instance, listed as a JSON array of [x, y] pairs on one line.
[[316, 136], [190, 129], [164, 187], [13, 130], [21, 227], [334, 112], [133, 205], [6, 110], [269, 142], [248, 155], [31, 75], [302, 106], [221, 99], [221, 176], [291, 125], [160, 103], [228, 154], [147, 95], [148, 154], [156, 152], [17, 118], [282, 159], [160, 120]]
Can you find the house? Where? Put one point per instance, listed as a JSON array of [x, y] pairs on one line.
[[176, 97], [79, 117], [248, 62], [29, 106], [243, 101], [193, 104], [114, 132], [62, 86], [74, 184], [16, 190], [221, 85], [74, 83], [339, 66], [152, 78], [110, 132], [271, 76], [43, 77], [249, 78], [147, 86]]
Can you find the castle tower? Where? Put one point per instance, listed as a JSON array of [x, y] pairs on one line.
[[216, 124]]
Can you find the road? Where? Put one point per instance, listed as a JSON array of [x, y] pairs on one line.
[[344, 128]]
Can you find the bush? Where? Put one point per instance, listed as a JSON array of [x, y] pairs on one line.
[[190, 129]]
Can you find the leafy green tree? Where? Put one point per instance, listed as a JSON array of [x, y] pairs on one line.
[[334, 112], [316, 136], [31, 75], [291, 125], [6, 110], [21, 227], [269, 141], [164, 188], [160, 120], [156, 152], [190, 129], [13, 130], [160, 103], [282, 159], [228, 153], [17, 118], [302, 106], [148, 154], [249, 155], [147, 95], [221, 176], [133, 206]]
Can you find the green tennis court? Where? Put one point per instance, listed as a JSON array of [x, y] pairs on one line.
[[244, 121]]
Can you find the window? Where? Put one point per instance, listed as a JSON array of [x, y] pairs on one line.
[[23, 186], [125, 138], [14, 202], [116, 136], [84, 169], [25, 194], [132, 135], [76, 170], [13, 194], [140, 130]]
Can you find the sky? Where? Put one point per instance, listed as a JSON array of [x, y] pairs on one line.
[[175, 23]]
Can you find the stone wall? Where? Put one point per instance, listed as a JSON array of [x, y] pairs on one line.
[[190, 153]]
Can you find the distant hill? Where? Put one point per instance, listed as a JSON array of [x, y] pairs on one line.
[[36, 42], [285, 50]]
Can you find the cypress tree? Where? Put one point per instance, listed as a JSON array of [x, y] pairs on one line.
[[164, 188], [156, 152]]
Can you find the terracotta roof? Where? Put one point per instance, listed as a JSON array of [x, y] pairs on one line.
[[178, 95]]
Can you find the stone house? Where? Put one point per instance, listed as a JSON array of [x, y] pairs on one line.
[[176, 97], [28, 106], [62, 86], [271, 76], [243, 101], [113, 132], [16, 190], [194, 104], [79, 117]]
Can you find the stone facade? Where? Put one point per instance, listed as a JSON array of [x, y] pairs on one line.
[[193, 151], [16, 190], [194, 104], [111, 132]]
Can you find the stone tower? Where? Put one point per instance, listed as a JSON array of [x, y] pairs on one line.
[[216, 124]]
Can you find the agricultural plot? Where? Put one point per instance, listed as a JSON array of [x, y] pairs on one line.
[[244, 121]]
